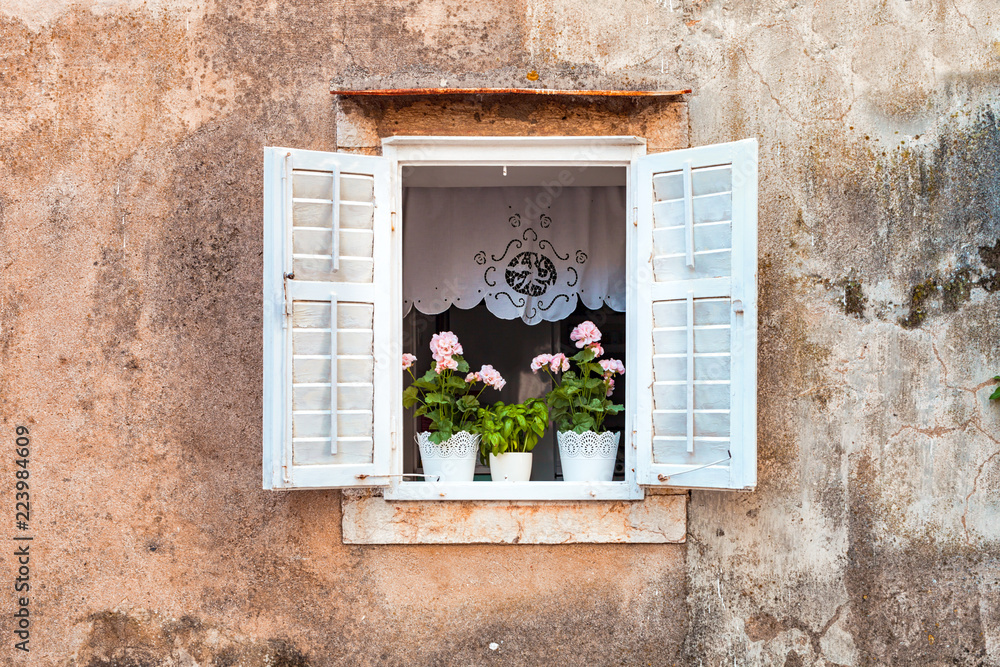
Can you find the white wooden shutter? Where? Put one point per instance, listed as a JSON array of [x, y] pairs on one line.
[[327, 309], [696, 317]]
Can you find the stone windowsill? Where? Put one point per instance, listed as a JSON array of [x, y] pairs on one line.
[[370, 519]]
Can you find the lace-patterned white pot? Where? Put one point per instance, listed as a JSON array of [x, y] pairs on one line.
[[454, 460], [588, 456]]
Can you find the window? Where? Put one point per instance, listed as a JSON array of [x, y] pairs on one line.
[[333, 314]]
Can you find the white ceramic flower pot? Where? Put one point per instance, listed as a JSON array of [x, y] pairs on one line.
[[454, 460], [511, 467], [588, 456]]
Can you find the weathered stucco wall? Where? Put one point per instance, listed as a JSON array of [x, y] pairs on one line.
[[874, 535], [130, 215]]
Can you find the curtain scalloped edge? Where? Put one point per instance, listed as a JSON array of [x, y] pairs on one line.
[[601, 302]]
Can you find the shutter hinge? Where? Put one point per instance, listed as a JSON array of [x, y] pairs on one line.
[[393, 221], [635, 216]]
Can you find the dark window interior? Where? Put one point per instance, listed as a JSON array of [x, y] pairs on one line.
[[509, 346]]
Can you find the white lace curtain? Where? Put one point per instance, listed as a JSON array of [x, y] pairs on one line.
[[525, 252]]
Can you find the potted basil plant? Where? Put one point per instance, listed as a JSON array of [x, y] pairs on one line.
[[509, 433], [451, 403], [579, 402]]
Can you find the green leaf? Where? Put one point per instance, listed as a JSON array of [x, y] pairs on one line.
[[467, 403], [424, 383], [410, 397], [583, 422], [995, 396]]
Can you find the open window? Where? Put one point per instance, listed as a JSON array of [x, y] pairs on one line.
[[671, 241]]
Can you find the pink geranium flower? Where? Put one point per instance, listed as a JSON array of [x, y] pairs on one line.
[[559, 363], [492, 377], [473, 377], [585, 333], [596, 349], [540, 362], [445, 344], [612, 366], [611, 384], [408, 360], [445, 364]]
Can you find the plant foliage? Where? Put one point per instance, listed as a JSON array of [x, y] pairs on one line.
[[446, 399], [451, 403], [511, 428], [579, 400]]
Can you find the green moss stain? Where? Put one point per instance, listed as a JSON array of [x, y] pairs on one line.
[[920, 295], [956, 290], [990, 257], [854, 298], [917, 207], [944, 293]]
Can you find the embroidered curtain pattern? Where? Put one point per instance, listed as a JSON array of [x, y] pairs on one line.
[[525, 252]]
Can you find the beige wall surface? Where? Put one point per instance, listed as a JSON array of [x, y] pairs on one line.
[[130, 334]]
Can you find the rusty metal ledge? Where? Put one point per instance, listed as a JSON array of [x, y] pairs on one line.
[[400, 92]]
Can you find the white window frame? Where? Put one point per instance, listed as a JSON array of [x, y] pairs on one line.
[[613, 151]]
